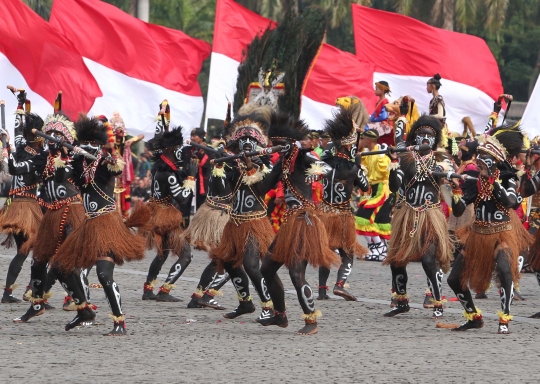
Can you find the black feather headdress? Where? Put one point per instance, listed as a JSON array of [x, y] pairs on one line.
[[32, 121], [283, 125], [341, 128], [171, 138], [91, 129], [511, 137]]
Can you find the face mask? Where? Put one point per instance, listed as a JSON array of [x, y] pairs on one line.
[[421, 138]]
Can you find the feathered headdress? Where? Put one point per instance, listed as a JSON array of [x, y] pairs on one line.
[[171, 138], [285, 126], [285, 53], [59, 122], [91, 129], [32, 121], [253, 125], [511, 137], [342, 128], [490, 145]]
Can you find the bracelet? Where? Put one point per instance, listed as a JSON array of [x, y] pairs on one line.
[[251, 172], [191, 177]]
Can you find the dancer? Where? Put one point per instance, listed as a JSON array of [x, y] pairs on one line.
[[248, 234], [491, 245], [103, 239], [335, 209], [373, 215], [164, 230], [302, 238], [122, 146], [379, 119], [21, 215], [423, 231], [437, 107], [64, 215]]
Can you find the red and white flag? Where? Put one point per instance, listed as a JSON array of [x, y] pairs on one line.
[[530, 122], [407, 53], [334, 74], [136, 64], [35, 57]]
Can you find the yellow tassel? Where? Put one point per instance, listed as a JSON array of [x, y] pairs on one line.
[[59, 163], [81, 306], [394, 295], [214, 292], [12, 287], [267, 304], [316, 169], [153, 283], [240, 298], [35, 300], [218, 171], [393, 166], [47, 295], [117, 319], [503, 317], [312, 316], [28, 294], [402, 297], [119, 166], [189, 184], [428, 290], [199, 292], [456, 197], [470, 316], [168, 286], [255, 178]]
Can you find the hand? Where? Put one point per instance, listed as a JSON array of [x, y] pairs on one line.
[[313, 178], [247, 161], [391, 154], [128, 143]]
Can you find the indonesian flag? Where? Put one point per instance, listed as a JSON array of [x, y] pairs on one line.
[[530, 122], [35, 57], [136, 64], [334, 74], [407, 53]]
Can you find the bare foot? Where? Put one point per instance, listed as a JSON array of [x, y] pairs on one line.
[[308, 329]]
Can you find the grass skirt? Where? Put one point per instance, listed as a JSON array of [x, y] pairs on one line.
[[52, 232], [340, 228], [206, 228], [21, 217], [104, 236], [302, 237], [164, 229], [465, 220], [479, 253], [432, 229], [237, 237]]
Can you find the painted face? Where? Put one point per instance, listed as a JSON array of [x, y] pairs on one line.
[[92, 147], [425, 136], [119, 132], [247, 144], [285, 143]]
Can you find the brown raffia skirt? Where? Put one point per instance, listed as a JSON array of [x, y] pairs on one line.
[[302, 237], [432, 229], [164, 228], [21, 217], [104, 236], [341, 231], [52, 232], [257, 232], [479, 253], [206, 229]]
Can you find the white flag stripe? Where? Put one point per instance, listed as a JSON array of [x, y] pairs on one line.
[[138, 102], [12, 76], [530, 122]]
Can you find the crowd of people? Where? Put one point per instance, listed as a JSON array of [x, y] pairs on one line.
[[269, 192]]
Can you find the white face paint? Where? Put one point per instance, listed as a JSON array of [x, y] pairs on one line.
[[92, 149], [429, 138]]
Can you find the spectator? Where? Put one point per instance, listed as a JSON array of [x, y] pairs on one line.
[[144, 166], [141, 191]]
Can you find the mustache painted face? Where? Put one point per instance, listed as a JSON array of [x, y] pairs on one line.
[[425, 139], [247, 144], [91, 149]]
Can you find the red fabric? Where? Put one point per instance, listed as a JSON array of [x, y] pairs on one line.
[[128, 173], [45, 58], [235, 27], [337, 74], [111, 37], [379, 106], [406, 46], [201, 176]]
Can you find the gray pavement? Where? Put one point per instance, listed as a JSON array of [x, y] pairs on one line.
[[168, 343]]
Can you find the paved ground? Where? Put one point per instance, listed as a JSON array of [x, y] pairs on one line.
[[169, 343]]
